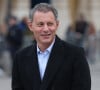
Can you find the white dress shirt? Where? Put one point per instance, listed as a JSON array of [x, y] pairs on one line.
[[43, 58]]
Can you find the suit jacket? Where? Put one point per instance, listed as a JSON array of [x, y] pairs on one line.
[[67, 69]]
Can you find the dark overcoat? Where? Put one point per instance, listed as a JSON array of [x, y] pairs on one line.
[[67, 69]]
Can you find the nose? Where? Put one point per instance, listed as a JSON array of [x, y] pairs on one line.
[[46, 28]]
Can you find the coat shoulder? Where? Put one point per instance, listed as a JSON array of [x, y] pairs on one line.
[[71, 48], [24, 51]]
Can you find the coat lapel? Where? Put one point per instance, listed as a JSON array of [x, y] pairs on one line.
[[33, 67], [53, 65]]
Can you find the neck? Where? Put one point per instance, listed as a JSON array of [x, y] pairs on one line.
[[43, 47]]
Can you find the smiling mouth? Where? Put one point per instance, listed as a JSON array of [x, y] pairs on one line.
[[46, 35]]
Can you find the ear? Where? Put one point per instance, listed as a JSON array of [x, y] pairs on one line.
[[57, 23], [29, 23]]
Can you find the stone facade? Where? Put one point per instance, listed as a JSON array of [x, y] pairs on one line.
[[21, 8]]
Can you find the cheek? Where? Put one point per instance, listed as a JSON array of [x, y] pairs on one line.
[[35, 30], [54, 29], [37, 33]]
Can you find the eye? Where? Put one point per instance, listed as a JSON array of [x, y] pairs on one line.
[[50, 24], [40, 24]]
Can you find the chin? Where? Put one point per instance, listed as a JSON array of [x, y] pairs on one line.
[[47, 41]]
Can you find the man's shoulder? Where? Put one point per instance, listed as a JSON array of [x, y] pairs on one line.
[[71, 48], [67, 46], [25, 50]]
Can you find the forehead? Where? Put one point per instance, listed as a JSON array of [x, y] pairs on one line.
[[43, 15]]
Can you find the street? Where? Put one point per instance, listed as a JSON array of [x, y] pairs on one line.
[[95, 76], [5, 83]]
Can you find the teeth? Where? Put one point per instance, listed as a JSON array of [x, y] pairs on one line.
[[46, 35]]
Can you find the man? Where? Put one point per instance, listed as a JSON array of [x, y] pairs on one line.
[[50, 63]]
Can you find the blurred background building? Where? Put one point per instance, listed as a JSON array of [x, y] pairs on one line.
[[68, 10]]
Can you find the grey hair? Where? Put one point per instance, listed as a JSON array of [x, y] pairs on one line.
[[43, 7]]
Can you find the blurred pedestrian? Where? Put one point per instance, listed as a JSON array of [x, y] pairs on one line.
[[23, 24], [14, 36], [70, 35], [91, 50], [81, 27]]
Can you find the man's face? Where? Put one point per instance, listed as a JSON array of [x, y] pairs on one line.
[[44, 26]]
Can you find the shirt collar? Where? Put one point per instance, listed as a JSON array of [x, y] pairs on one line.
[[48, 49]]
